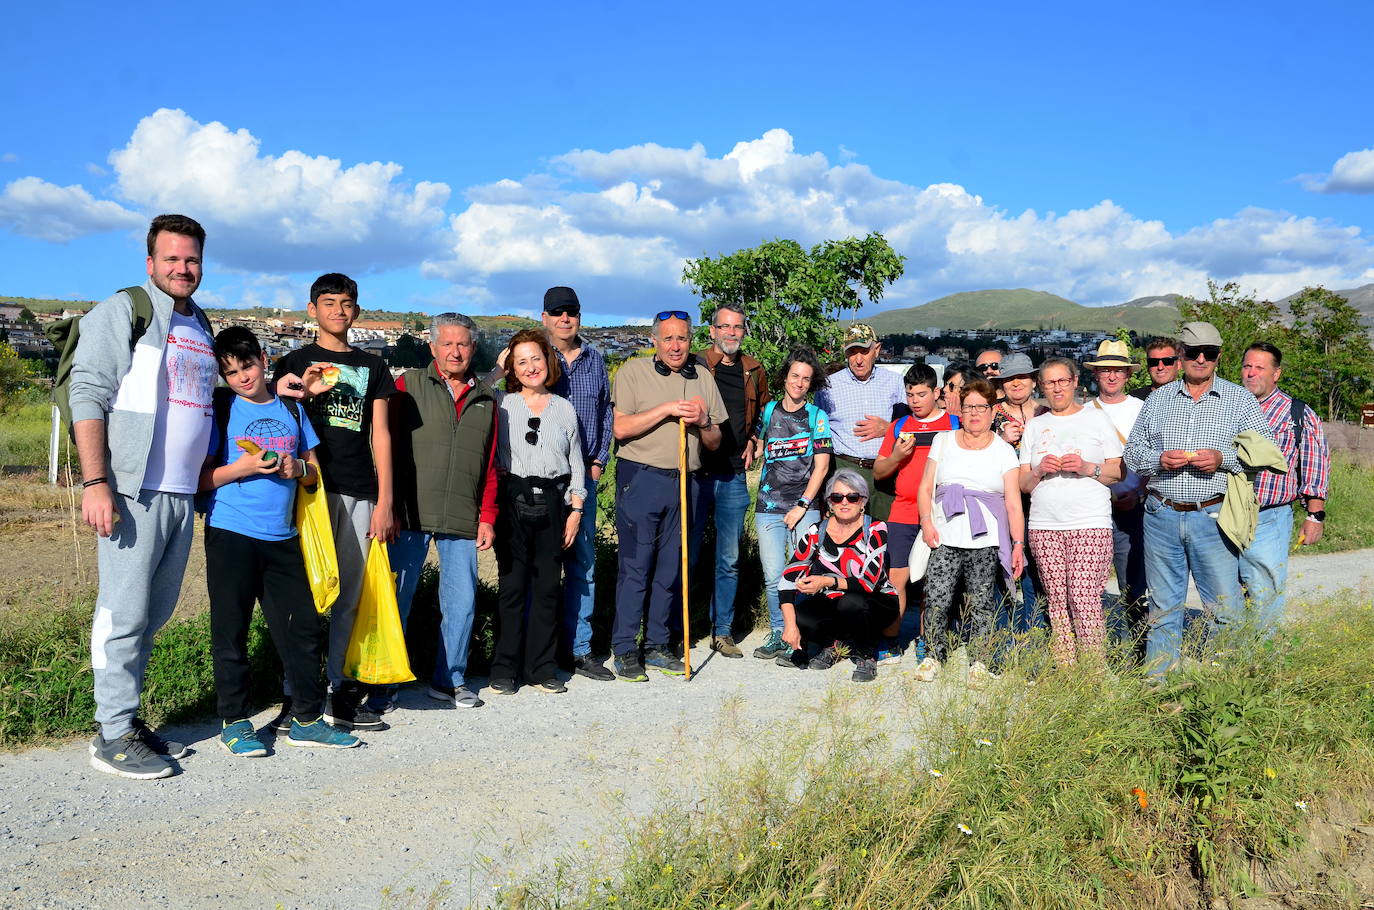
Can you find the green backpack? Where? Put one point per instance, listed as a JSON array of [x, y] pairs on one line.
[[65, 334]]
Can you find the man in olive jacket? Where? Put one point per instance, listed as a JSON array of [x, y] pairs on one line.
[[444, 448]]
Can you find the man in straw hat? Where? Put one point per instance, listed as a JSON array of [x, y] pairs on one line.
[[1183, 443], [1126, 612]]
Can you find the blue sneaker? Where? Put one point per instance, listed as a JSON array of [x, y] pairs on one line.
[[920, 650], [889, 651], [239, 738], [320, 734]]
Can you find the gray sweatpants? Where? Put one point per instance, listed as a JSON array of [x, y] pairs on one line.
[[351, 519], [141, 566]]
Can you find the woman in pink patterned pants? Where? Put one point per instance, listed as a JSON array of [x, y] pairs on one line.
[[1068, 458]]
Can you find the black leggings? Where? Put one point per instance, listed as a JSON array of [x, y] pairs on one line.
[[979, 569], [855, 617], [529, 560]]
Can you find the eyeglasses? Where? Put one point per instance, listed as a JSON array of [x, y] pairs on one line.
[[1055, 383], [1161, 361], [976, 408], [1209, 352], [989, 367], [673, 314], [532, 436], [837, 498], [732, 329]]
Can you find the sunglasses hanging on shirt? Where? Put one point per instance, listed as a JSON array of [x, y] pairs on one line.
[[532, 435]]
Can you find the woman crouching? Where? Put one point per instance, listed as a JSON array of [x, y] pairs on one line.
[[835, 593]]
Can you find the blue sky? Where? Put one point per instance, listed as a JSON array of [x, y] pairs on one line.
[[461, 156]]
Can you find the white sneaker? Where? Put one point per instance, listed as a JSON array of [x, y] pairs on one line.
[[979, 676], [927, 670]]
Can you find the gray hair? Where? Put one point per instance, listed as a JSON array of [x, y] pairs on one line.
[[1065, 362], [731, 307], [657, 322], [455, 320], [852, 479]]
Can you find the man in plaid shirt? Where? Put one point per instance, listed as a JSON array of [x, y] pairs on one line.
[[1264, 566], [1183, 444]]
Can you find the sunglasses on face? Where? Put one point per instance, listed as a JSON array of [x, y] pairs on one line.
[[1209, 352], [532, 435], [990, 367], [1161, 361], [837, 498], [673, 314]]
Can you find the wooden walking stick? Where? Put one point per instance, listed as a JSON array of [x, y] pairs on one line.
[[682, 508]]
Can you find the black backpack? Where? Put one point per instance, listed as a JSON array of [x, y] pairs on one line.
[[220, 403]]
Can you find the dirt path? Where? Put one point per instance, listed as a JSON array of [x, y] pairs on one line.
[[467, 797]]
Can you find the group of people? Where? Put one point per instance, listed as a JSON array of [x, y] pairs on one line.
[[880, 498]]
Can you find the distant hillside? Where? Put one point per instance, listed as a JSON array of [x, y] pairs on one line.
[[1023, 309], [1361, 298], [1159, 300], [42, 305]]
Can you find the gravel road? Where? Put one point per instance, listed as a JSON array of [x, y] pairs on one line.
[[471, 797]]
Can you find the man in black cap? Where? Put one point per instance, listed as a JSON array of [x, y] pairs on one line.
[[585, 384]]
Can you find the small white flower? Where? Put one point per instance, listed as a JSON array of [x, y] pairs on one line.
[[1300, 805], [965, 829], [984, 742], [936, 772]]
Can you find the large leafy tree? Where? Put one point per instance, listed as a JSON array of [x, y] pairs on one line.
[[1239, 318], [792, 296], [14, 377]]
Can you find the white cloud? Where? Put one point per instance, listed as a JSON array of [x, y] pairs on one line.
[[287, 212], [37, 208], [95, 170], [8, 158], [1352, 173], [624, 221]]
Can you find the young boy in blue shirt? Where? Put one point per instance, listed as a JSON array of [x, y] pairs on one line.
[[252, 550]]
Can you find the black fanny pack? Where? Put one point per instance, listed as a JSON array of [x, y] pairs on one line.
[[536, 498]]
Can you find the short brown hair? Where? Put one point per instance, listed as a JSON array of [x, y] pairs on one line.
[[982, 387], [1159, 342], [531, 336], [176, 224]]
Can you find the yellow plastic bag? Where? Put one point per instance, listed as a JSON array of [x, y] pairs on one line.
[[377, 649], [317, 545]]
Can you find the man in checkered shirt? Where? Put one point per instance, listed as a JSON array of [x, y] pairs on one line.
[[1183, 443], [1264, 565]]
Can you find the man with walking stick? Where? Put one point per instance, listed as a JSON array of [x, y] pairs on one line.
[[651, 397]]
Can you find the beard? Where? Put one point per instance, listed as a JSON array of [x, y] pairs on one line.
[[729, 346]]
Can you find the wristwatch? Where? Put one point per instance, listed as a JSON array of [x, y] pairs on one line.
[[802, 503], [1318, 516], [1097, 472]]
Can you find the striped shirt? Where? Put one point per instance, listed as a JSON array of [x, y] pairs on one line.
[[1272, 489], [556, 449], [585, 384], [862, 562], [848, 401], [1171, 419]]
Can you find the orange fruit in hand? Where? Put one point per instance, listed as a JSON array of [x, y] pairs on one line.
[[330, 375]]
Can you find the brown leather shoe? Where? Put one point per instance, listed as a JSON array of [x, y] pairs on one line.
[[726, 646]]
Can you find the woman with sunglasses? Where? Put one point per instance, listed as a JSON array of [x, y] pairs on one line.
[[970, 510], [835, 593], [539, 454], [1069, 456]]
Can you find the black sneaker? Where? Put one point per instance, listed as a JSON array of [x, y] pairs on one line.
[[628, 668], [664, 661], [502, 685], [167, 748], [282, 722], [865, 670], [128, 756], [794, 658], [590, 667], [826, 659], [550, 686], [339, 710]]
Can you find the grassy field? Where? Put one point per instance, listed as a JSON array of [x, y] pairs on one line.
[[1081, 789], [24, 433]]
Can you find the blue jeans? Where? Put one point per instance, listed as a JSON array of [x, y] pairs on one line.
[[457, 596], [776, 545], [579, 579], [1030, 612], [1177, 543], [727, 496], [1126, 611], [1264, 566]]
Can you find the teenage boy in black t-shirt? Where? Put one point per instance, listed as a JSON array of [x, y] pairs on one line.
[[345, 394]]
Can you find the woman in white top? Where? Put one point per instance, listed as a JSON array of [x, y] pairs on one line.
[[1069, 457], [539, 454], [971, 519]]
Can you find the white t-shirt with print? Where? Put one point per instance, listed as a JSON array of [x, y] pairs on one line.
[[975, 469], [181, 429], [1063, 502], [1123, 415]]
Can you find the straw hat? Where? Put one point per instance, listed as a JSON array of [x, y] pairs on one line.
[[1114, 354]]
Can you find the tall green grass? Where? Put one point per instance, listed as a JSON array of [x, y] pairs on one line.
[[1350, 508], [1081, 789], [24, 432]]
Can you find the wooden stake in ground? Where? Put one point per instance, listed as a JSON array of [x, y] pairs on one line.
[[682, 509]]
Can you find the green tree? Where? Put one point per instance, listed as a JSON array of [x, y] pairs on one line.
[[1239, 318], [26, 315], [791, 296], [14, 377], [1329, 362], [410, 352]]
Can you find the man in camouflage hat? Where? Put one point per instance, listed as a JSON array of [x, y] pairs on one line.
[[859, 401]]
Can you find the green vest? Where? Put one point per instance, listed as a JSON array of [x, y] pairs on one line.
[[441, 458]]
